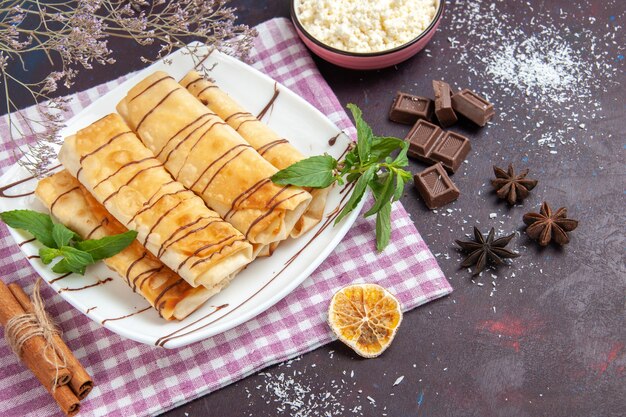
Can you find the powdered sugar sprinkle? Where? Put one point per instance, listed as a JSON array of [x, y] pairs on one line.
[[555, 72]]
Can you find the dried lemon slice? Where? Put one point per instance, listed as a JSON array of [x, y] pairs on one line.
[[365, 317]]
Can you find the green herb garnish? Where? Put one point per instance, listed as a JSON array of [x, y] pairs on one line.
[[60, 242], [369, 164]]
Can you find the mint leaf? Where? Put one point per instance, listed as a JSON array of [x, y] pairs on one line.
[[59, 241], [354, 176], [383, 226], [401, 159], [62, 235], [315, 172], [350, 161], [76, 260], [62, 267], [357, 193], [382, 194], [47, 255], [74, 255], [37, 224], [402, 177], [406, 175], [382, 147], [364, 134], [107, 246], [399, 188]]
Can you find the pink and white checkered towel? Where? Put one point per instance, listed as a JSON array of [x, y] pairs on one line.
[[135, 379]]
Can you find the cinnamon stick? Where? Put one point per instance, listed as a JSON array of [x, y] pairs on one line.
[[67, 400], [81, 382], [32, 353]]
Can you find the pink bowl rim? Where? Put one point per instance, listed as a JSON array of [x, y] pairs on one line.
[[317, 42]]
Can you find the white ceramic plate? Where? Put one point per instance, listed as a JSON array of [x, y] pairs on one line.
[[265, 282]]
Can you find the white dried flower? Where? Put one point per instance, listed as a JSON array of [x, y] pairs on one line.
[[76, 35]]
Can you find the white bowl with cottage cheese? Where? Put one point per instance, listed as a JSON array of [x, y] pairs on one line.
[[366, 34]]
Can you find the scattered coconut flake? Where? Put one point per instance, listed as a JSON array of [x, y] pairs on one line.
[[453, 42], [298, 394], [398, 380], [559, 73]]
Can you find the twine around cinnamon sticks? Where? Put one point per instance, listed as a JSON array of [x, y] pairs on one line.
[[35, 340]]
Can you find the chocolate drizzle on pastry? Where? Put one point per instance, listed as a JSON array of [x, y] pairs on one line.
[[145, 116], [167, 77], [60, 196], [224, 155], [263, 149], [169, 242], [141, 171], [104, 145]]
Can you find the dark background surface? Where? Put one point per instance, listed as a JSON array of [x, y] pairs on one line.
[[543, 337]]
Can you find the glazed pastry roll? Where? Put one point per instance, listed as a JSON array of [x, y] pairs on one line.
[[167, 292], [172, 222], [276, 150], [207, 156], [267, 250]]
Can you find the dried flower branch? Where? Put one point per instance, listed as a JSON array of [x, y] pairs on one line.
[[73, 36]]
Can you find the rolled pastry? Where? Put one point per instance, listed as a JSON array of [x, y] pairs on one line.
[[207, 156], [276, 150], [171, 221], [168, 293]]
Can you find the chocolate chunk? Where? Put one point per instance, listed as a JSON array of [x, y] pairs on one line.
[[408, 109], [435, 187], [443, 104], [429, 143], [422, 138], [473, 106], [451, 150]]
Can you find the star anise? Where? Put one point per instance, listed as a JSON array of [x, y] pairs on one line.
[[546, 226], [511, 187], [481, 250]]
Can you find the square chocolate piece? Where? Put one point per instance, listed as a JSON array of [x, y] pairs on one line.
[[451, 150], [473, 106], [443, 104], [435, 187], [408, 109], [422, 138]]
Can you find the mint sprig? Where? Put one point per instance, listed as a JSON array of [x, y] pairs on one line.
[[60, 242], [316, 171], [369, 164], [37, 224]]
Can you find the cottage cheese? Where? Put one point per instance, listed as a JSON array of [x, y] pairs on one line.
[[365, 25]]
